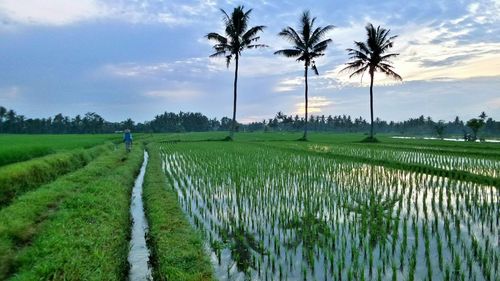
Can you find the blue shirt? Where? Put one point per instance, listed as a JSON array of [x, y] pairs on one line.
[[127, 137]]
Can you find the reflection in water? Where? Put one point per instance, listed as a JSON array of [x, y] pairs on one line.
[[138, 257], [375, 213], [289, 216]]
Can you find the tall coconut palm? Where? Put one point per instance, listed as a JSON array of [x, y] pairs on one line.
[[238, 37], [308, 44], [372, 56]]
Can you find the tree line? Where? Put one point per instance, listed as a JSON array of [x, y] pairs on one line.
[[169, 122]]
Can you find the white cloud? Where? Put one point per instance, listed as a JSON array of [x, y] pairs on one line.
[[173, 94], [249, 66], [64, 12], [289, 84], [315, 105], [10, 93], [50, 12], [494, 103], [193, 66], [473, 7], [130, 70], [442, 50]]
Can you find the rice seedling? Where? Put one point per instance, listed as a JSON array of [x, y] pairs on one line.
[[269, 213]]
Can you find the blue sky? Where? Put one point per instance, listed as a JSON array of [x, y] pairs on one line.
[[140, 58]]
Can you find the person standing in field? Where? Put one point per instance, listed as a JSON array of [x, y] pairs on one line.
[[127, 138]]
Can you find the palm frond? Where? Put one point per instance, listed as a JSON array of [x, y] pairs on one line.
[[306, 42], [388, 56], [362, 47], [319, 33], [249, 34], [353, 66], [293, 37], [218, 54], [237, 36], [314, 68], [222, 47], [360, 71], [289, 53], [370, 55], [257, 46], [389, 72], [225, 18], [356, 54], [213, 36], [321, 46], [306, 28]]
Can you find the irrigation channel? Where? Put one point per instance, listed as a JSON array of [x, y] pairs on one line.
[[270, 215], [138, 257]]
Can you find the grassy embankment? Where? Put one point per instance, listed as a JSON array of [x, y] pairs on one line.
[[18, 178], [177, 250], [18, 148], [75, 228]]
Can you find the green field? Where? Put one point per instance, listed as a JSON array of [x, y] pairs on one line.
[[16, 148], [263, 207]]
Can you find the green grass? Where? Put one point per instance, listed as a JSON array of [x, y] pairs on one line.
[[17, 148], [18, 178], [176, 248], [87, 236], [21, 220]]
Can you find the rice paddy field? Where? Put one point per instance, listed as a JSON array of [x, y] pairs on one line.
[[284, 210], [262, 207]]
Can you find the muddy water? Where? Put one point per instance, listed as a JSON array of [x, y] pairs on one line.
[[138, 257]]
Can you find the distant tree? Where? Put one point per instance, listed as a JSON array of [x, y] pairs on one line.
[[128, 124], [3, 112], [76, 126], [10, 121], [58, 123], [372, 56], [93, 123], [475, 124], [225, 124], [308, 44], [238, 38], [439, 127]]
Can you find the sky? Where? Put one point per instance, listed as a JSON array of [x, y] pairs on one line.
[[139, 58]]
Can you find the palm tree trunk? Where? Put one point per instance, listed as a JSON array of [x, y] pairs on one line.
[[233, 125], [371, 104], [306, 103]]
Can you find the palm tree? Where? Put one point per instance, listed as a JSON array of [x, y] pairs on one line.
[[372, 56], [308, 44], [238, 38]]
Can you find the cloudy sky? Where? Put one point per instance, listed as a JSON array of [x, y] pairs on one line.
[[139, 58]]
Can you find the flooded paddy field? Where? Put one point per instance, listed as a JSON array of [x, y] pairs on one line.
[[272, 214], [262, 207]]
